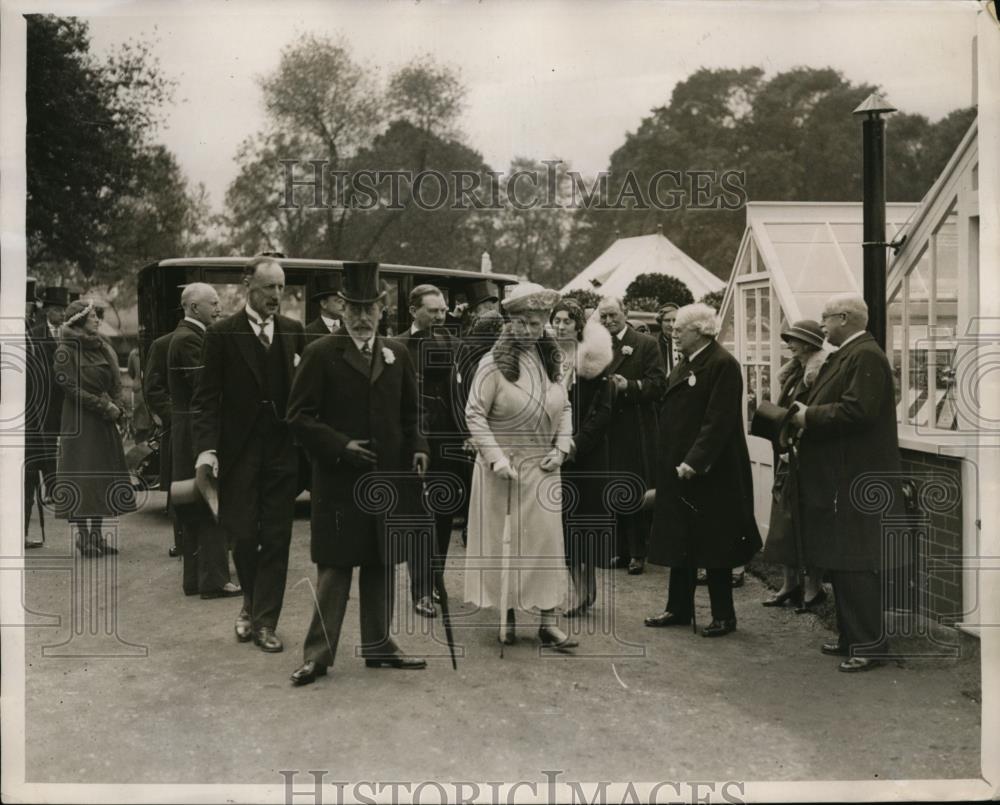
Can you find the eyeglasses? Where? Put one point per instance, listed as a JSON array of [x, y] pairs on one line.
[[831, 315]]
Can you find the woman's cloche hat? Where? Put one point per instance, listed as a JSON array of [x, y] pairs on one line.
[[529, 296], [807, 331]]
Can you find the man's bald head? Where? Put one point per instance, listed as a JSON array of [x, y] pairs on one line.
[[200, 301]]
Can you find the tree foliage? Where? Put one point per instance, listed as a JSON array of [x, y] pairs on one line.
[[713, 299], [651, 291]]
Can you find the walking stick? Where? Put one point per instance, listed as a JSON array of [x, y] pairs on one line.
[[438, 573], [505, 568], [41, 511]]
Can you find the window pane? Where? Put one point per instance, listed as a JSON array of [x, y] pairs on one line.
[[726, 336], [750, 329], [765, 325], [894, 347], [751, 387], [918, 310]]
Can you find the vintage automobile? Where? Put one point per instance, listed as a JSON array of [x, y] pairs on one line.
[[160, 285]]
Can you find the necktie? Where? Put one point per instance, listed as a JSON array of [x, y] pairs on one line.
[[366, 350], [263, 338]]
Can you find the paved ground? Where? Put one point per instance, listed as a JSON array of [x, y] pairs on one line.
[[639, 704]]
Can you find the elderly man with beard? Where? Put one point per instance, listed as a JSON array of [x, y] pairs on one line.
[[354, 406]]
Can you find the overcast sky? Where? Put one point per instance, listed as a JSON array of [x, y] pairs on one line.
[[545, 79]]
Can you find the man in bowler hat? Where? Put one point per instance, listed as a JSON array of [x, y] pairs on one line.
[[241, 434], [354, 406], [331, 307]]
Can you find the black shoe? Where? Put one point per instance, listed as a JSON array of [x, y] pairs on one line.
[[267, 640], [396, 661], [636, 566], [307, 674], [719, 628], [619, 562], [834, 649], [667, 618], [793, 596], [580, 609], [553, 638], [173, 552], [228, 590], [856, 664], [424, 606], [243, 627], [812, 603], [736, 579], [87, 547], [29, 545]]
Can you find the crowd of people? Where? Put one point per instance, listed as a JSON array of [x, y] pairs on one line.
[[542, 418]]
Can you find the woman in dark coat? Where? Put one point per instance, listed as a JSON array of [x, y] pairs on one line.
[[806, 342], [587, 354], [704, 513], [93, 481]]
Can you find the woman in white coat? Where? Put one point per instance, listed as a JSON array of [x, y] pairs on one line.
[[519, 420]]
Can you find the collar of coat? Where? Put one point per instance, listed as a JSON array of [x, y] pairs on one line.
[[686, 368], [829, 369], [247, 341], [343, 343], [630, 339]]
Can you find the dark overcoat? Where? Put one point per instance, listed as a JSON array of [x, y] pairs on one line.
[[708, 520], [336, 397], [50, 393], [156, 395], [317, 329], [632, 432], [849, 459], [592, 400], [92, 477], [184, 369]]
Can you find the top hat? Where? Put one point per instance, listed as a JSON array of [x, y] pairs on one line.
[[74, 294], [188, 495], [481, 291], [56, 295], [327, 284], [771, 422], [807, 331], [360, 284]]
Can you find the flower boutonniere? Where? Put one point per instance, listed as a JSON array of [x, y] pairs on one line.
[[692, 379], [627, 350], [296, 360], [388, 356]]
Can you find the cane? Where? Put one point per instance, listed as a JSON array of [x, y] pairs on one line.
[[504, 568]]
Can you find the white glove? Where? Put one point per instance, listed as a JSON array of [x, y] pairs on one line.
[[553, 460], [208, 458], [504, 470]]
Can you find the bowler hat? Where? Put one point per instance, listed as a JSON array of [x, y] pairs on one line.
[[807, 331], [771, 422], [481, 291], [56, 296], [327, 284], [361, 283]]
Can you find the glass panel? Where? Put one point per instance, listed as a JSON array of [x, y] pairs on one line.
[[894, 348], [726, 335], [917, 322], [765, 382], [765, 324], [293, 302], [751, 387], [750, 329], [388, 324], [232, 296]]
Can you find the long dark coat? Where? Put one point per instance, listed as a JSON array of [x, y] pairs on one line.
[[632, 432], [850, 432], [50, 392], [183, 371], [706, 521], [156, 394], [92, 477], [317, 329], [336, 398]]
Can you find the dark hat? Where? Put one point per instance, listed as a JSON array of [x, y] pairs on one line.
[[56, 295], [327, 284], [771, 422], [30, 290], [807, 331], [74, 294], [481, 291], [360, 283]]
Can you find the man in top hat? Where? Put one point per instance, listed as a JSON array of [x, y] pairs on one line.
[[354, 406], [434, 352], [637, 372], [848, 430], [481, 298], [331, 307], [203, 542], [241, 434], [45, 339]]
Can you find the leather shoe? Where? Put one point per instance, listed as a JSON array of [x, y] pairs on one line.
[[793, 596], [396, 661], [307, 674], [174, 552], [855, 664], [244, 627], [667, 618], [834, 649], [812, 603], [267, 640], [618, 562], [636, 566], [553, 638], [228, 590], [424, 606], [719, 628], [735, 579]]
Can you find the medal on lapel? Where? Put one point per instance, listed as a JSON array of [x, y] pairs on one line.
[[692, 380]]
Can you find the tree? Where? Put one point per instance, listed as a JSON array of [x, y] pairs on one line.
[[584, 298], [713, 299], [652, 291]]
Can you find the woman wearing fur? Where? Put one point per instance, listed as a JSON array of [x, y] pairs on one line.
[[587, 352], [805, 341], [92, 479], [520, 422]]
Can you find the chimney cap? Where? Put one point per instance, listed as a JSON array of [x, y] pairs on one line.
[[874, 104]]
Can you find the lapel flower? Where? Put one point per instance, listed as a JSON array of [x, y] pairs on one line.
[[627, 350], [388, 356], [692, 380], [296, 360]]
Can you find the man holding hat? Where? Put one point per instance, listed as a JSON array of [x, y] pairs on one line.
[[45, 339], [331, 307], [354, 406], [241, 434], [156, 395]]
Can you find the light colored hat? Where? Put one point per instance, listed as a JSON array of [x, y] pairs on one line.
[[807, 331], [529, 296]]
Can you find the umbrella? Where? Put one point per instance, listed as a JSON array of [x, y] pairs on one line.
[[443, 601], [505, 569]]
